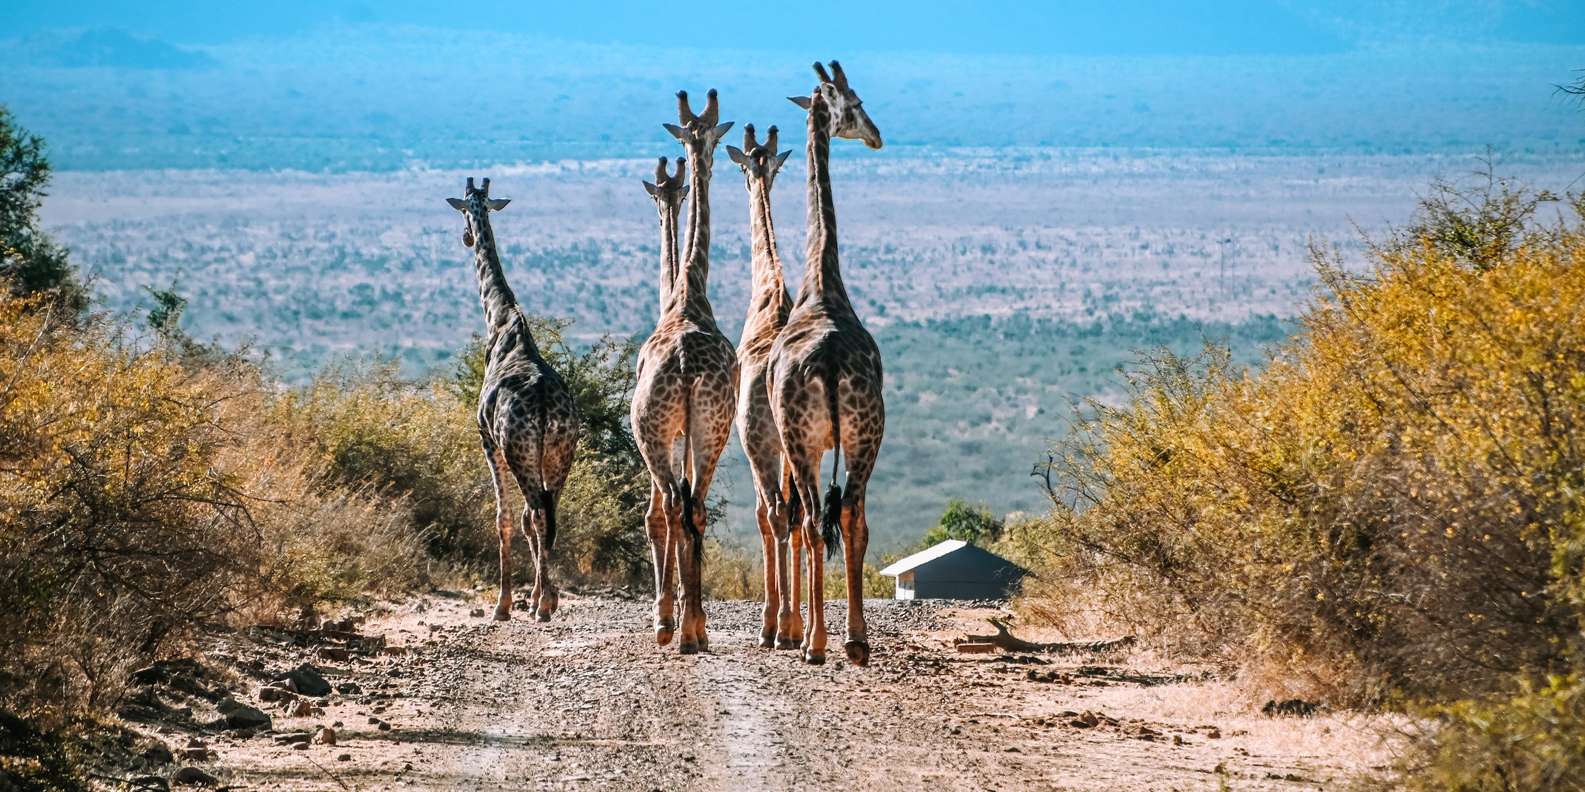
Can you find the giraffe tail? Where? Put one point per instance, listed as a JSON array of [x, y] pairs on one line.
[[690, 503], [831, 520], [547, 505]]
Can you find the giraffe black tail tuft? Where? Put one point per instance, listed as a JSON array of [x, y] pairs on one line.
[[689, 520], [831, 520], [547, 504]]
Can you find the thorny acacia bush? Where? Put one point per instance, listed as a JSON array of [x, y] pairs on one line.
[[1392, 507], [141, 497]]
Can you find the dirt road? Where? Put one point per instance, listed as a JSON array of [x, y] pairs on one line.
[[588, 702]]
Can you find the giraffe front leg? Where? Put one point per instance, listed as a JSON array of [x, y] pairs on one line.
[[772, 542], [855, 539], [532, 537], [791, 624], [503, 530], [814, 648], [545, 598], [688, 547]]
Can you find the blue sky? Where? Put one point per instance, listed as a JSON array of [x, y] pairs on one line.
[[1119, 27]]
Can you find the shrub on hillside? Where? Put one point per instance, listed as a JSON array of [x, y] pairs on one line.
[[142, 497], [1395, 505]]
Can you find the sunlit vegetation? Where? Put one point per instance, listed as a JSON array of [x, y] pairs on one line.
[[1390, 511]]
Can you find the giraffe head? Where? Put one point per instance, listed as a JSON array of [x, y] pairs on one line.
[[475, 206], [759, 163], [668, 191], [699, 133], [845, 109]]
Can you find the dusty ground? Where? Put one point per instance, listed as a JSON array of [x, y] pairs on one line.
[[588, 701]]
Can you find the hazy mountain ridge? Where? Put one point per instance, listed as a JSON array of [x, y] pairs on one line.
[[362, 97]]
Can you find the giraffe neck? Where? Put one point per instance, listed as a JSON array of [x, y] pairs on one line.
[[689, 292], [668, 253], [822, 272], [768, 286], [502, 316]]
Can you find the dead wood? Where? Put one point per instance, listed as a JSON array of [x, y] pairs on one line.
[[1005, 639]]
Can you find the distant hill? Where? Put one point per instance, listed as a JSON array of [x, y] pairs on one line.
[[102, 48], [384, 97]]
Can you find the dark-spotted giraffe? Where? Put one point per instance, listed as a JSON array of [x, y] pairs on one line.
[[825, 379], [686, 395], [527, 418], [769, 304]]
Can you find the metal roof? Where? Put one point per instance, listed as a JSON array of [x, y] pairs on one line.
[[925, 556]]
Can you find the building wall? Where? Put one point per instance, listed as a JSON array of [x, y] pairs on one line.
[[970, 573], [905, 586]]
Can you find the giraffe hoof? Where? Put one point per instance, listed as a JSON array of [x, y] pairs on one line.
[[663, 635], [767, 640], [687, 648], [502, 614], [814, 658], [786, 643], [858, 652], [542, 616]]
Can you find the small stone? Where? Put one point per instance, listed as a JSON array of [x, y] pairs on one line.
[[192, 776], [302, 746], [273, 693], [197, 754], [348, 688], [344, 757], [149, 782], [307, 680], [325, 736], [384, 726], [477, 613], [158, 753]]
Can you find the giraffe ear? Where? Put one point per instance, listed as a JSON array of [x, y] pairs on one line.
[[682, 192], [782, 158], [737, 155], [721, 130], [497, 204], [650, 188], [676, 131], [457, 203], [801, 101]]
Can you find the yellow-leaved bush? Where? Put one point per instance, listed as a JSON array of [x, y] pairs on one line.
[[1392, 508], [143, 495]]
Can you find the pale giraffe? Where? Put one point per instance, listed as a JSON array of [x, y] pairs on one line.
[[528, 420], [781, 624], [825, 379], [686, 395]]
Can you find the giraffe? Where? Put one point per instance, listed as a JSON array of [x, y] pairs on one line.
[[528, 421], [769, 305], [687, 391], [825, 379], [668, 193]]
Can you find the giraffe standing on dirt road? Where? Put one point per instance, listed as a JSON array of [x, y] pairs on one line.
[[825, 379], [769, 304], [686, 394], [528, 421]]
